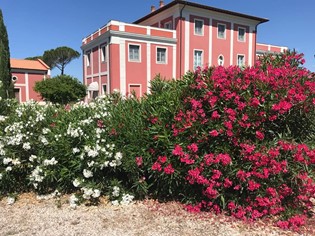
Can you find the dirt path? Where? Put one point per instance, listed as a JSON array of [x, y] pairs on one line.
[[29, 216]]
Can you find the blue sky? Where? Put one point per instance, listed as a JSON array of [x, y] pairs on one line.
[[37, 25]]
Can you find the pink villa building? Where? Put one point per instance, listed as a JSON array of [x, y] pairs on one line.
[[24, 75], [170, 40]]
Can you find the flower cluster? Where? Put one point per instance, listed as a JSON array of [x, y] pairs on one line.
[[120, 198], [50, 147]]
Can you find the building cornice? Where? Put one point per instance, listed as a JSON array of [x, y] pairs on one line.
[[197, 5]]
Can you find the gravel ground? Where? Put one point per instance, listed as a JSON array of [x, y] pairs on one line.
[[29, 216]]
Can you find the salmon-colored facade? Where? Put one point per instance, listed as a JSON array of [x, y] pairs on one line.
[[171, 40], [25, 73]]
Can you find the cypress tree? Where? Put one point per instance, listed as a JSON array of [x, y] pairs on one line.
[[6, 88]]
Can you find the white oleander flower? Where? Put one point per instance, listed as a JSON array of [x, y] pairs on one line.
[[50, 162], [92, 153], [10, 200], [126, 199], [116, 191], [87, 173], [1, 176], [76, 183], [8, 169], [87, 192], [115, 203], [7, 161], [92, 163], [16, 161], [3, 118], [96, 193], [45, 130], [26, 146], [73, 200], [36, 175], [43, 140], [75, 150], [74, 132], [32, 158]]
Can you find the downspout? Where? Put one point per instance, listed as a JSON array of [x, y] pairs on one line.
[[108, 66], [180, 39], [256, 41]]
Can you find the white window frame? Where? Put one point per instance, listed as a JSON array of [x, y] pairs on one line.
[[201, 61], [161, 62], [202, 27], [131, 59], [88, 59], [238, 34], [218, 35], [103, 53], [237, 58], [168, 25], [220, 60]]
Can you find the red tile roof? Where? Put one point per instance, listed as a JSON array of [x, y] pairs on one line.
[[28, 64]]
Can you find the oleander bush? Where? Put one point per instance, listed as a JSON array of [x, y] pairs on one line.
[[233, 140]]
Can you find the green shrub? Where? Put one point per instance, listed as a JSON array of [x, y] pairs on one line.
[[62, 89]]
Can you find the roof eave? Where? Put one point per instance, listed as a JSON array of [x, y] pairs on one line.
[[173, 3]]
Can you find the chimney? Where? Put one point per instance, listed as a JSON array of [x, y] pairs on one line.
[[152, 8], [161, 3]]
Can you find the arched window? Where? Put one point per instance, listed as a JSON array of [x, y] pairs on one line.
[[221, 60]]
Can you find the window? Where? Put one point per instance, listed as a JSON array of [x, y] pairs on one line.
[[134, 52], [94, 94], [221, 31], [161, 55], [17, 94], [198, 27], [168, 25], [88, 59], [197, 58], [104, 88], [241, 34], [220, 60], [240, 60], [103, 53]]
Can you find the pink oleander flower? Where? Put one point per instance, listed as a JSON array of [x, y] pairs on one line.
[[139, 161], [214, 133], [157, 166], [260, 135], [177, 151], [162, 159], [169, 169], [252, 185]]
